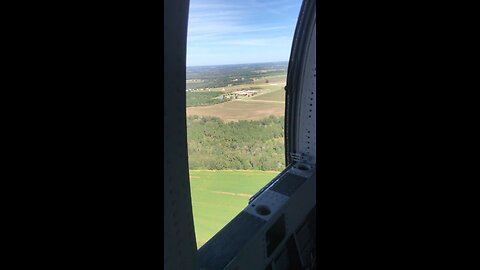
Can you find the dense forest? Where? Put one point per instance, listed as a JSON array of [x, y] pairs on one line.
[[244, 145]]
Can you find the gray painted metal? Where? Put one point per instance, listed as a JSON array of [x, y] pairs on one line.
[[300, 99], [289, 186], [251, 249], [219, 251], [294, 210], [180, 251], [306, 128], [270, 200]]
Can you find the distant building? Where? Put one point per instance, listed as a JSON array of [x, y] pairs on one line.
[[245, 93]]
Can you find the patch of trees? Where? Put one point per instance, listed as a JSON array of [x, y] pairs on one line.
[[244, 145]]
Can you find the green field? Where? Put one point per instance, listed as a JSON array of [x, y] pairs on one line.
[[218, 196], [275, 94], [203, 98], [237, 110]]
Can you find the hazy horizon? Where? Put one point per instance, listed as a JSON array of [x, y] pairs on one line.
[[212, 65]]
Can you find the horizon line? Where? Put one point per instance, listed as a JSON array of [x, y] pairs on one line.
[[211, 65]]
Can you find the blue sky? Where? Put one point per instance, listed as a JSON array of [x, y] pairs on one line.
[[240, 31]]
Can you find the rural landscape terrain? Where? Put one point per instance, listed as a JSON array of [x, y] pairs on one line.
[[235, 129]]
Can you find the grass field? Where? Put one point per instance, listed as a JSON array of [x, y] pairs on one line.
[[277, 93], [239, 110], [218, 196], [202, 98]]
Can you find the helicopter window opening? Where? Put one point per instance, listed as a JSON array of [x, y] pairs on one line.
[[237, 61]]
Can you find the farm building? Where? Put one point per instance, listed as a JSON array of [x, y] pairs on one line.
[[246, 93]]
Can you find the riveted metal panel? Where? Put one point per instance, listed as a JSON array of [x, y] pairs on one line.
[[307, 129], [301, 90]]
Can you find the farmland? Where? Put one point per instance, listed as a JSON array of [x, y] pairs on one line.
[[239, 110], [235, 145], [277, 94], [218, 196], [203, 98], [269, 101], [230, 75]]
